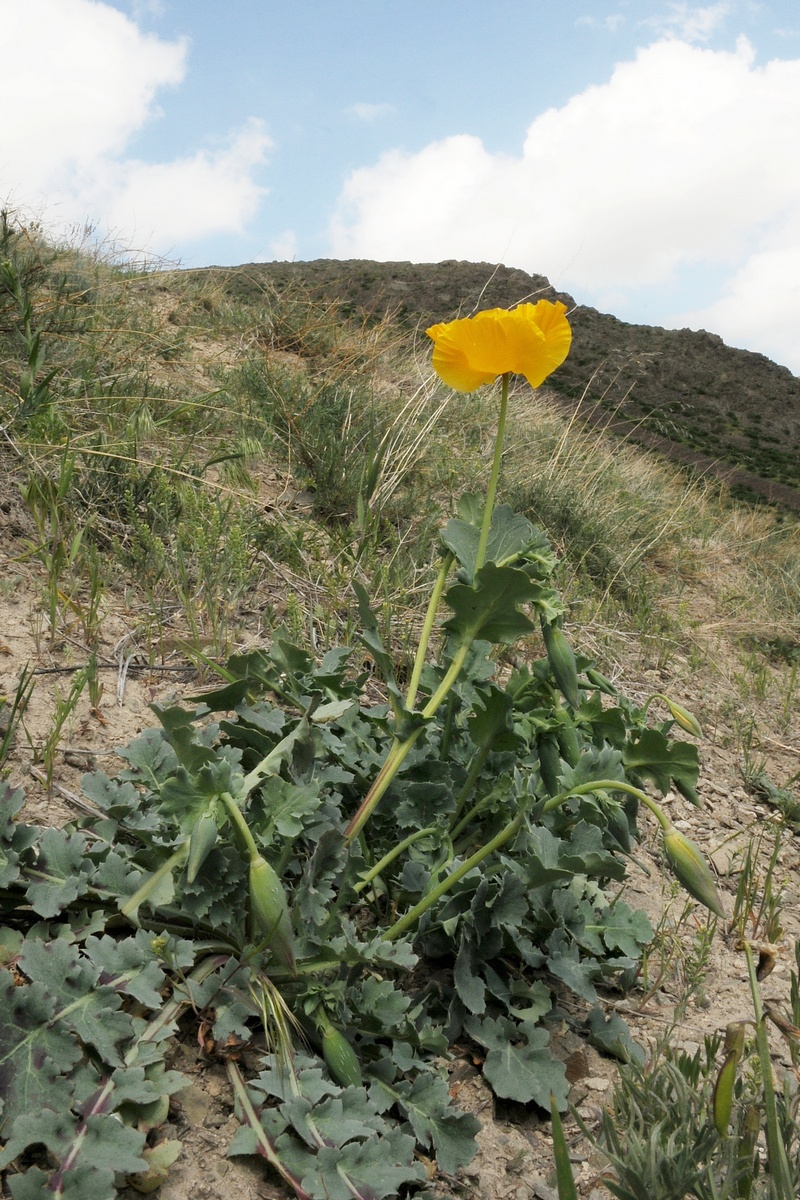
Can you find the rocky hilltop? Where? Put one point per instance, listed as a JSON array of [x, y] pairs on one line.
[[720, 410]]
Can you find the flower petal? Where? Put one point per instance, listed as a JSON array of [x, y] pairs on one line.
[[531, 340]]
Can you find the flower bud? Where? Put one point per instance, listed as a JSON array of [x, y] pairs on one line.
[[202, 841], [691, 870], [683, 717], [340, 1056], [269, 912]]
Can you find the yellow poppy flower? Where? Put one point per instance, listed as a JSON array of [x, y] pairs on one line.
[[530, 340]]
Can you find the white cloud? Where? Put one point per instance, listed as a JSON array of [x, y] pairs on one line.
[[284, 247], [760, 305], [81, 79], [690, 23], [370, 112], [685, 157]]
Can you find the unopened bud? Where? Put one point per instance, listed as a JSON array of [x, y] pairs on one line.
[[269, 911], [691, 870], [683, 717]]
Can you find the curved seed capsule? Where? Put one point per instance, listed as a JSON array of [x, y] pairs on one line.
[[568, 743], [562, 662], [269, 911], [340, 1056], [723, 1088], [598, 680], [549, 762], [691, 869], [202, 841]]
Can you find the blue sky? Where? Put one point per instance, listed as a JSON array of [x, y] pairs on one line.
[[644, 154]]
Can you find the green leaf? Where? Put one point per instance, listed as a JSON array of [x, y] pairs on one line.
[[36, 1053], [612, 1036], [511, 536], [488, 607], [656, 758], [625, 930], [469, 985], [82, 1005], [130, 966], [62, 857], [106, 1144], [565, 962], [491, 723], [437, 1125], [336, 1119], [373, 1169], [518, 1065]]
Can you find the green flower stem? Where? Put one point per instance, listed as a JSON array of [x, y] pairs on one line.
[[441, 889], [394, 853], [141, 894], [241, 826], [476, 766], [427, 628], [399, 750], [251, 1119], [498, 454], [611, 785], [392, 763], [780, 1175], [467, 819]]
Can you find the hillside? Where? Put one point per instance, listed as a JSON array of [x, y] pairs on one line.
[[723, 411]]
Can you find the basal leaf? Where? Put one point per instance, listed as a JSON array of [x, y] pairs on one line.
[[129, 965], [437, 1125], [336, 1119], [518, 1065], [368, 1170], [565, 962], [470, 986], [625, 930], [62, 859], [612, 1036], [81, 1004], [36, 1053], [105, 1144]]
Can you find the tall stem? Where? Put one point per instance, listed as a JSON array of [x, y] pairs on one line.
[[441, 889], [490, 495], [427, 628], [778, 1164], [399, 750]]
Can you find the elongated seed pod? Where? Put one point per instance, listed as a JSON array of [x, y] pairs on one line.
[[269, 911], [598, 680], [568, 743], [340, 1056], [722, 1104], [202, 841], [562, 662], [549, 762]]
